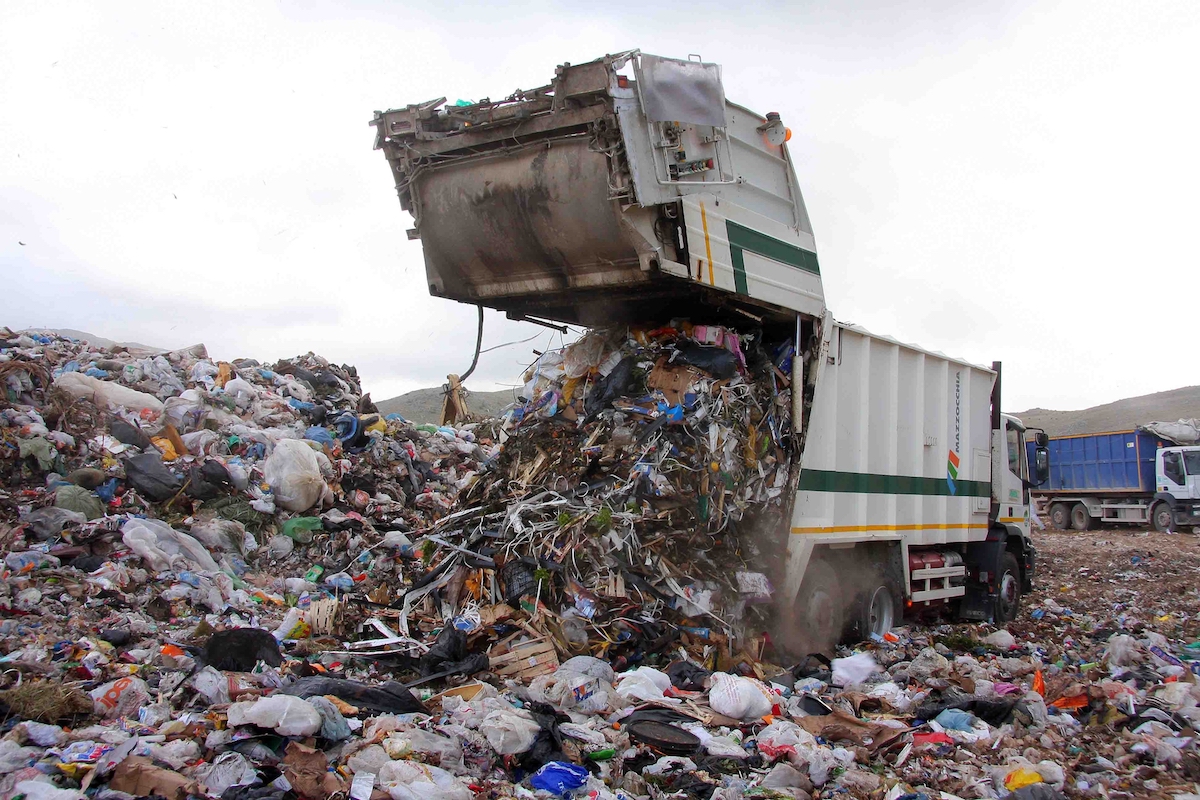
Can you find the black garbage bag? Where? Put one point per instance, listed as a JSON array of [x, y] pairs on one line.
[[449, 654], [154, 481], [208, 481], [995, 711], [547, 746], [1038, 791], [716, 361], [238, 650], [255, 791], [616, 384], [128, 433], [387, 698], [687, 676]]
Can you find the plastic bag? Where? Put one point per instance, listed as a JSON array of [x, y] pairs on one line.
[[1122, 650], [152, 480], [284, 714], [410, 780], [79, 500], [294, 474], [559, 777], [120, 698], [644, 683], [783, 738], [228, 769], [510, 732], [107, 393], [738, 697], [853, 670], [160, 544]]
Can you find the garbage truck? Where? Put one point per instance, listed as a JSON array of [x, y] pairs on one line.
[[1133, 477], [629, 189]]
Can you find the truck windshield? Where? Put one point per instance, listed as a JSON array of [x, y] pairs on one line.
[[1191, 462]]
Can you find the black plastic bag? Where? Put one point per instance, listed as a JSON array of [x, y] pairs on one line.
[[154, 481], [687, 676], [127, 433], [716, 361], [387, 698], [240, 649], [616, 384]]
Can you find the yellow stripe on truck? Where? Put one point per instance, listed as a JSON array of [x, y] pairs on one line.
[[888, 528], [1015, 520], [707, 244]]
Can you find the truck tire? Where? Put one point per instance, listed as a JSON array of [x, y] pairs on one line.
[[1162, 517], [820, 614], [1008, 589], [1060, 516], [1081, 520], [876, 612]]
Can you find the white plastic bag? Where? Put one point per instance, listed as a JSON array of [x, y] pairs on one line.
[[294, 474], [411, 780], [738, 697], [120, 698], [160, 544], [284, 714], [510, 732], [854, 669], [783, 738], [644, 683], [107, 393]]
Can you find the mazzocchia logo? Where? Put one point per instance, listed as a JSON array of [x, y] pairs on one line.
[[952, 460]]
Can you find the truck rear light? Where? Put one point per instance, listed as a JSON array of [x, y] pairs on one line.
[[622, 82]]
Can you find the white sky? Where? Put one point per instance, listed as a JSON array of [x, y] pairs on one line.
[[994, 180]]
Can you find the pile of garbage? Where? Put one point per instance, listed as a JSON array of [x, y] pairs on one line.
[[238, 580]]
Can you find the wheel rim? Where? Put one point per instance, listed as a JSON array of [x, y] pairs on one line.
[[1162, 519], [1008, 592], [880, 612]]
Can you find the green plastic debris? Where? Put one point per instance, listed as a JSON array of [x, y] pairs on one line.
[[300, 528], [77, 498]]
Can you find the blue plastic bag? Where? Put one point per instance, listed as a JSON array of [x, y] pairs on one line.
[[955, 719], [559, 777]]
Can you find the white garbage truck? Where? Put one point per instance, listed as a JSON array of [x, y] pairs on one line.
[[630, 188]]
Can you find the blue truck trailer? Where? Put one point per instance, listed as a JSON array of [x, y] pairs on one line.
[[1129, 477]]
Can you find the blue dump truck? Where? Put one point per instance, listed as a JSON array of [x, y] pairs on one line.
[[1130, 477]]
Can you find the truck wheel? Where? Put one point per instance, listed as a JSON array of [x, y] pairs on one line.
[[819, 611], [1081, 520], [877, 611], [1162, 517], [1008, 589], [1060, 516]]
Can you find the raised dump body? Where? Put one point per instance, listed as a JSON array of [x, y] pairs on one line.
[[626, 187]]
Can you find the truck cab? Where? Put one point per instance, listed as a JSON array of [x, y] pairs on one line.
[[1177, 484]]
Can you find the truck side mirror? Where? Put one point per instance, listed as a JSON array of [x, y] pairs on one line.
[[1041, 464], [1041, 439]]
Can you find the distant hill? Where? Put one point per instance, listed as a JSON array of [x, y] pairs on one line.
[[93, 339], [1123, 415], [425, 405]]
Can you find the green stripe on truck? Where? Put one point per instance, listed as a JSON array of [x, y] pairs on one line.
[[820, 480], [743, 238]]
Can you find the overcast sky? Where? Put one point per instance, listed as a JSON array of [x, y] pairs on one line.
[[1011, 181]]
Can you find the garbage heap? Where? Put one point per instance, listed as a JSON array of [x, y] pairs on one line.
[[623, 509], [235, 580]]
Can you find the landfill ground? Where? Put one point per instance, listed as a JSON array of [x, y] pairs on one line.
[[240, 580]]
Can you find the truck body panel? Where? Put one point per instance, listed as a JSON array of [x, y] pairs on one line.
[[898, 449], [606, 193], [1119, 462]]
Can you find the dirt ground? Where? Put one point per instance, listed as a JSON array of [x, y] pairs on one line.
[[1120, 577]]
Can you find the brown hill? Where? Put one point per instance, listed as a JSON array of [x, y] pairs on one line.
[[425, 405], [1122, 415]]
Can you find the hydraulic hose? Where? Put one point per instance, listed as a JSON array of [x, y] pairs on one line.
[[478, 345]]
